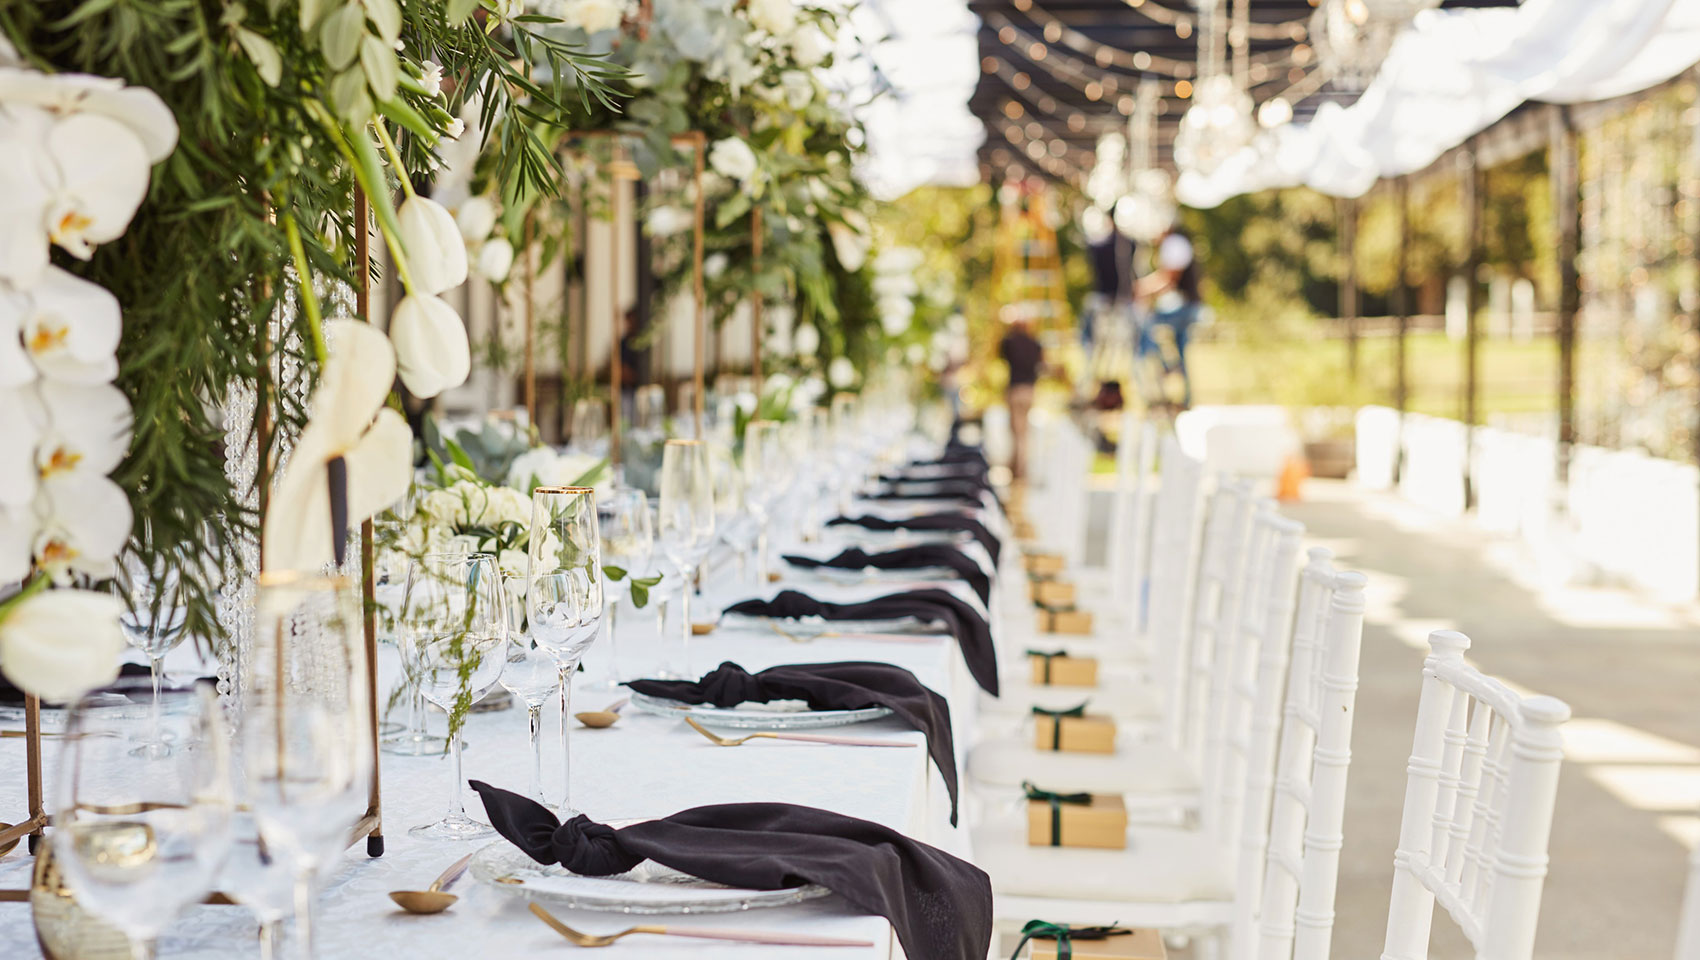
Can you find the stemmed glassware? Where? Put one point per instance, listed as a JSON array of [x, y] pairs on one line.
[[140, 836], [684, 527], [590, 426], [454, 637], [733, 518], [628, 539], [564, 592], [307, 760], [259, 880], [531, 676], [650, 411], [153, 623], [764, 483]]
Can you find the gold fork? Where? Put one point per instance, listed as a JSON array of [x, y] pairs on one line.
[[737, 936], [806, 737]]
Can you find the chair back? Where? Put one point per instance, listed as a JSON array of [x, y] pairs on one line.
[[1215, 613], [1173, 563], [1130, 517], [1479, 794]]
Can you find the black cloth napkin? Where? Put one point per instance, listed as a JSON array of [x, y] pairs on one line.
[[963, 490], [930, 521], [846, 685], [908, 558], [973, 635], [939, 906]]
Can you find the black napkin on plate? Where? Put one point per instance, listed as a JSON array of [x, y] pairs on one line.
[[939, 906], [11, 696], [930, 521], [846, 685], [908, 558], [973, 636]]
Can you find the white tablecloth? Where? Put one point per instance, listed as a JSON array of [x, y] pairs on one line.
[[645, 766]]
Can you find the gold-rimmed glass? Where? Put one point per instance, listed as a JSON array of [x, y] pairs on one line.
[[564, 601], [684, 529]]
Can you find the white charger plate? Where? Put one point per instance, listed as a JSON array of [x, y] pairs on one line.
[[757, 716]]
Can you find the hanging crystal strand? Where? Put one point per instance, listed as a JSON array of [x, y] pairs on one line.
[[242, 561]]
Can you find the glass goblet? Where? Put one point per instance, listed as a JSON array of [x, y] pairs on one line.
[[152, 622], [532, 676], [564, 600]]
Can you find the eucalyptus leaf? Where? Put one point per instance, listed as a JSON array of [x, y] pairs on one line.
[[264, 55], [340, 34], [378, 61]]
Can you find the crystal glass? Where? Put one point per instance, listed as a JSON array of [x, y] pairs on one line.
[[684, 529], [306, 731], [564, 592], [140, 836], [590, 426], [733, 519], [764, 482], [259, 879], [628, 540], [454, 637], [532, 676], [650, 413], [152, 622]]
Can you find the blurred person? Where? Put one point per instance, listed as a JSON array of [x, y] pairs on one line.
[[1172, 290], [1025, 358]]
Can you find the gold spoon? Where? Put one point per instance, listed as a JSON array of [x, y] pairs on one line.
[[432, 899], [6, 848], [736, 936], [721, 741], [597, 719]]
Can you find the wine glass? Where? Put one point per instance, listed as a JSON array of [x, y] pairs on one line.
[[628, 538], [532, 675], [590, 425], [140, 836], [152, 621], [260, 879], [454, 635], [564, 592], [306, 752], [733, 518], [764, 471], [650, 413], [684, 526]]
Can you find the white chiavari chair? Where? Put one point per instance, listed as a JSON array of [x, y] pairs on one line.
[[1688, 925], [1185, 880], [1479, 794]]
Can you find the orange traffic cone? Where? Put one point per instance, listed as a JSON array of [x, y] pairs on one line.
[[1288, 486]]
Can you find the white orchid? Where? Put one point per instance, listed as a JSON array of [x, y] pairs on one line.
[[593, 16], [67, 94], [476, 218], [732, 158], [61, 643], [84, 520], [841, 373], [68, 329], [349, 420], [17, 540], [436, 253], [431, 349], [19, 432], [86, 429], [778, 17], [495, 259]]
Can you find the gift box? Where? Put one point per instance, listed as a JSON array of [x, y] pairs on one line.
[[1144, 943], [1043, 564], [1053, 593], [1073, 731], [1068, 621], [1061, 670], [1024, 530], [1093, 820]]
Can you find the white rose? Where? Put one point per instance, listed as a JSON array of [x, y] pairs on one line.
[[733, 158], [476, 218], [841, 372], [537, 462], [809, 46], [797, 87], [514, 564], [431, 349], [61, 643], [495, 259], [665, 221], [593, 16], [436, 253], [778, 17]]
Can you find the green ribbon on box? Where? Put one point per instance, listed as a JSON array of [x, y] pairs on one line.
[[1048, 657], [1062, 933], [1056, 800], [1057, 719]]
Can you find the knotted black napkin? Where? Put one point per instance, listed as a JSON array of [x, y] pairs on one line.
[[846, 685], [908, 558], [930, 521], [963, 491], [973, 636], [939, 906]]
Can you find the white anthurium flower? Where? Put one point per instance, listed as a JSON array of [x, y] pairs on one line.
[[797, 88], [476, 218], [809, 46], [436, 252], [841, 373], [848, 245], [85, 520], [61, 643], [19, 433], [495, 259], [350, 421], [86, 428], [431, 350], [806, 339], [69, 328], [778, 17], [732, 157]]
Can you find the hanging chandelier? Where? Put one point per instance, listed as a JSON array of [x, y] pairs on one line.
[[1352, 37], [1217, 125]]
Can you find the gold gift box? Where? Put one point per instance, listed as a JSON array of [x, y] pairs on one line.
[[1053, 593], [1024, 530], [1064, 671], [1092, 733], [1100, 824], [1044, 564], [1070, 621], [1142, 944]]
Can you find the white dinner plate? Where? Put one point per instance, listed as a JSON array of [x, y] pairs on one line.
[[784, 715]]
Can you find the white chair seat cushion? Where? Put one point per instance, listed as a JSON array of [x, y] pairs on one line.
[[1123, 695], [1160, 865], [1139, 768]]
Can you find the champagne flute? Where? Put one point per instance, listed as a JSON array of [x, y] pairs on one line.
[[564, 592], [532, 675], [140, 836], [590, 425], [763, 482], [454, 634], [733, 517], [685, 527], [628, 538], [152, 622], [307, 763], [650, 403]]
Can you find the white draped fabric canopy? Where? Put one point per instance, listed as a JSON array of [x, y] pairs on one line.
[[1453, 73]]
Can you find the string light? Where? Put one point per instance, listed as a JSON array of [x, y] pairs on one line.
[[1078, 44], [1183, 89], [1183, 23]]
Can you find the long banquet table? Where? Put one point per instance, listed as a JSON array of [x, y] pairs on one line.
[[644, 766]]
